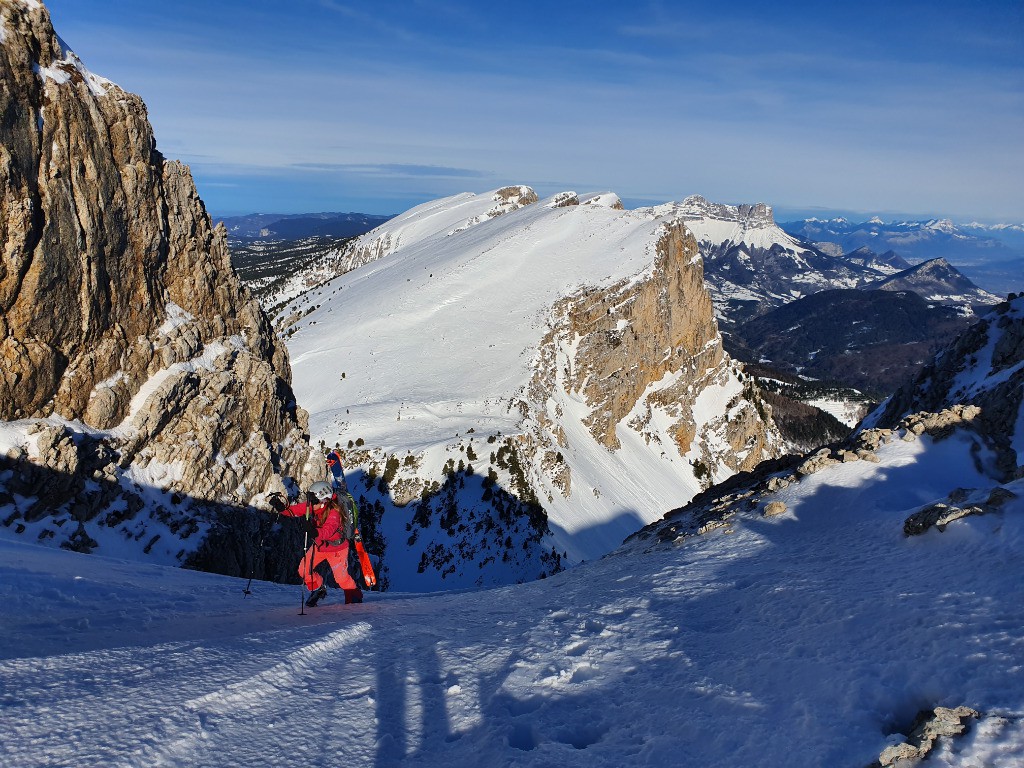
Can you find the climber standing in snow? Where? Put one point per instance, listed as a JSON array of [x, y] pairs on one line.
[[332, 515]]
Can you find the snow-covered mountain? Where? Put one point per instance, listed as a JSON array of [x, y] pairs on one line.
[[889, 262], [991, 256], [938, 281], [403, 230], [519, 383], [856, 607], [752, 265], [1007, 233]]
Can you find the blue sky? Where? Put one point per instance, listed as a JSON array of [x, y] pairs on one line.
[[315, 105]]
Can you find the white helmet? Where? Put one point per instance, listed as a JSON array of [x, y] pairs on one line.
[[321, 490]]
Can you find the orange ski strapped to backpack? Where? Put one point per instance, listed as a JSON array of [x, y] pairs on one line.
[[334, 465]]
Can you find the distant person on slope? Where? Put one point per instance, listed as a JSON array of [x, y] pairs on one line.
[[334, 530]]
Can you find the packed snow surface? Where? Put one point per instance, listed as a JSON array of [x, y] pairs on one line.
[[811, 639]]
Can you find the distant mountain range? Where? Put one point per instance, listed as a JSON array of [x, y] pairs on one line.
[[752, 265], [991, 255], [754, 270], [289, 226]]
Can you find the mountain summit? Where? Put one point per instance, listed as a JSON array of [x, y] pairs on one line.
[[936, 280]]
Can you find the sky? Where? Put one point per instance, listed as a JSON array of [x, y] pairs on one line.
[[909, 108]]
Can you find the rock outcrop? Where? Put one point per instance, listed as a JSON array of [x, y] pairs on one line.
[[928, 728], [974, 387], [654, 344], [983, 370], [119, 309]]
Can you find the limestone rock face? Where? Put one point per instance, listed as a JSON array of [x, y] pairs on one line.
[[929, 727], [653, 343], [119, 308]]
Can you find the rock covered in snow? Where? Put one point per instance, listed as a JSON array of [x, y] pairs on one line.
[[980, 378], [751, 264], [929, 727]]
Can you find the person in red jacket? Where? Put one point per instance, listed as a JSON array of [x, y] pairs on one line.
[[334, 531]]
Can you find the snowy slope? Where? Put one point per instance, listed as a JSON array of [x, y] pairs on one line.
[[449, 214], [426, 354], [939, 281], [747, 225], [810, 639]]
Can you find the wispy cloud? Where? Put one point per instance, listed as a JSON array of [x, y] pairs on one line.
[[371, 20], [395, 169], [843, 107]]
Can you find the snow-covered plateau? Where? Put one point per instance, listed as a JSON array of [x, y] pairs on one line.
[[498, 340]]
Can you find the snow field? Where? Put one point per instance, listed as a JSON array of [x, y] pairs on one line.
[[805, 640]]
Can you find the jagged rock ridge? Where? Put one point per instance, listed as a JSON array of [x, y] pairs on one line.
[[120, 315]]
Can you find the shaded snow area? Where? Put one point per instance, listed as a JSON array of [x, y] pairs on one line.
[[849, 412], [980, 373], [808, 639]]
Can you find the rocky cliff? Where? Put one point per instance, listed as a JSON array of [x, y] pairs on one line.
[[641, 345], [120, 316], [518, 391], [982, 368], [751, 265], [965, 410]]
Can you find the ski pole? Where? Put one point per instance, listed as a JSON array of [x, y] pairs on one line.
[[311, 553], [252, 568], [302, 588]]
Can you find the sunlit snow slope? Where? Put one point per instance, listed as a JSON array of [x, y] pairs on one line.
[[427, 353]]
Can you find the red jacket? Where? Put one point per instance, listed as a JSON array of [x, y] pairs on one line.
[[330, 526]]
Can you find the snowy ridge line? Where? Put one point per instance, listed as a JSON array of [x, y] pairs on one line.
[[308, 660]]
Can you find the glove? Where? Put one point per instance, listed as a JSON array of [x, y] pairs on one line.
[[277, 502]]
